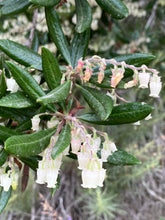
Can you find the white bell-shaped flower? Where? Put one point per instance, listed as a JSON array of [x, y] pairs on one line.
[[144, 80], [12, 86], [101, 177], [83, 160], [75, 144], [41, 176], [95, 143], [155, 86], [52, 123], [35, 123], [51, 178], [89, 178], [5, 181], [105, 154]]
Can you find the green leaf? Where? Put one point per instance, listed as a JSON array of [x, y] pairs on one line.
[[121, 114], [46, 3], [136, 59], [14, 114], [16, 100], [3, 156], [116, 8], [62, 142], [35, 43], [98, 101], [51, 69], [11, 7], [84, 15], [6, 132], [25, 125], [21, 54], [79, 46], [4, 198], [2, 83], [29, 144], [26, 82], [56, 33], [121, 157], [32, 162], [58, 94]]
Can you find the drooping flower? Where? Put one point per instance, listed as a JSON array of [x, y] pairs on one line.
[[80, 65], [155, 86], [144, 78], [12, 86], [117, 75], [35, 123], [88, 74]]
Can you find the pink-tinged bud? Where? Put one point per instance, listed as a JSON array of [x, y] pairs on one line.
[[100, 76], [130, 84], [144, 80], [155, 86], [80, 65], [117, 75], [89, 179], [88, 74]]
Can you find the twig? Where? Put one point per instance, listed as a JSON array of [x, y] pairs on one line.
[[151, 16], [32, 31]]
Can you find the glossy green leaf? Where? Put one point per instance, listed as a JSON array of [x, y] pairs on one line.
[[98, 101], [121, 157], [4, 198], [14, 114], [6, 132], [32, 162], [46, 3], [21, 54], [58, 94], [16, 100], [62, 142], [35, 43], [83, 14], [3, 156], [26, 82], [2, 83], [79, 46], [57, 34], [11, 7], [25, 125], [29, 144], [121, 114], [136, 59], [51, 69], [116, 8]]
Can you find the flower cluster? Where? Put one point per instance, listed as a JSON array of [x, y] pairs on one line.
[[142, 75], [86, 148], [48, 169]]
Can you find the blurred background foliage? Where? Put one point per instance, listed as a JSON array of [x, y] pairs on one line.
[[132, 193]]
